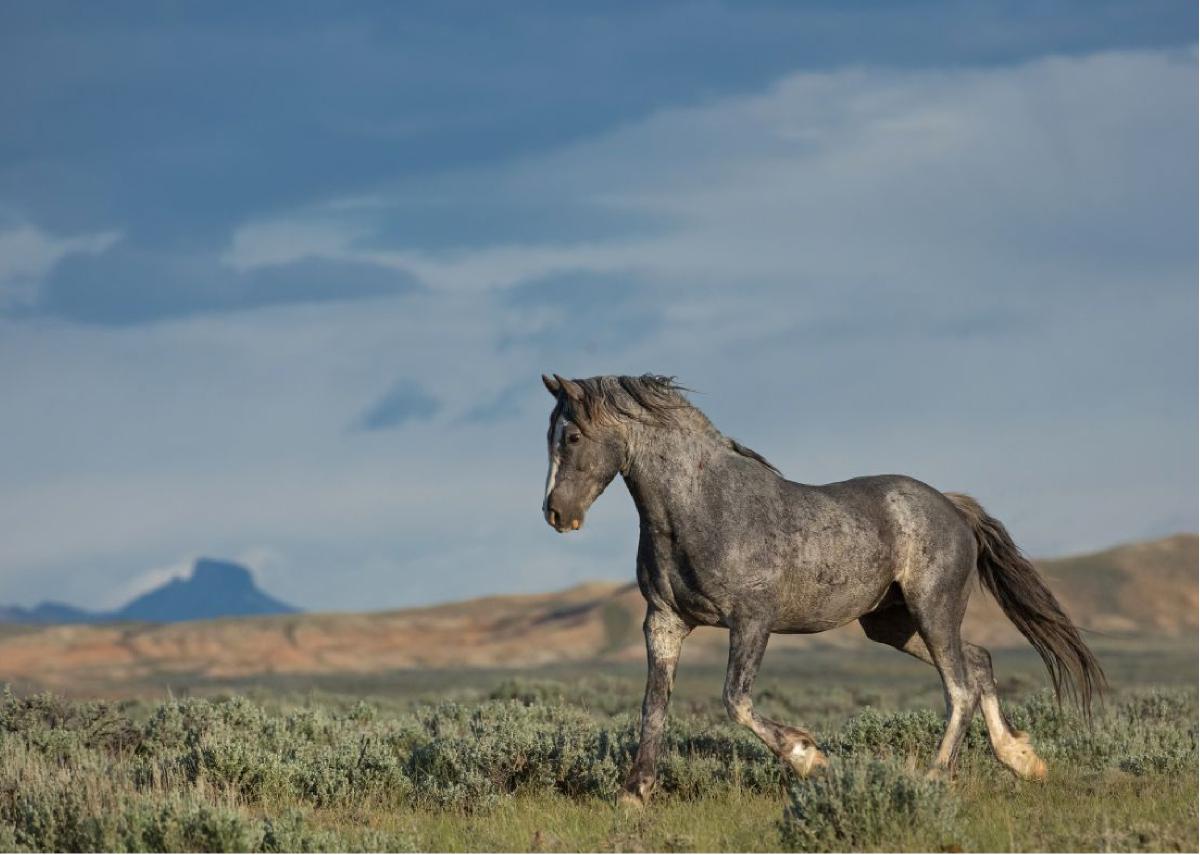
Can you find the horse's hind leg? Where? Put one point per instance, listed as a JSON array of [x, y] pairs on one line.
[[747, 644], [897, 627], [1012, 748], [939, 645]]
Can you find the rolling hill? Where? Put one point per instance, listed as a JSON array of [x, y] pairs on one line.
[[1142, 590]]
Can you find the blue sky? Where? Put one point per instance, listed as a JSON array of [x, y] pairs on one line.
[[277, 280]]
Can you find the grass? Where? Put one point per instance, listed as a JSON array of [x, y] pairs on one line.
[[520, 763]]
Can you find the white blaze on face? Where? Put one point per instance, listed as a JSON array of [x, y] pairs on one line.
[[552, 474]]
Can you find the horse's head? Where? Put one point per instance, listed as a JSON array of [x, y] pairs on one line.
[[585, 455]]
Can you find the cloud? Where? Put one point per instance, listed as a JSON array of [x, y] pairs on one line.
[[508, 403], [127, 284], [483, 208], [147, 581], [269, 243], [404, 402], [579, 310], [267, 564], [28, 253], [180, 126], [884, 183]]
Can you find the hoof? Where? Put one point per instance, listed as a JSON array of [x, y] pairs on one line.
[[1036, 771], [806, 760], [1018, 755], [636, 790], [630, 800]]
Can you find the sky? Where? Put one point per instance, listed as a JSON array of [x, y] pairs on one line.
[[278, 280]]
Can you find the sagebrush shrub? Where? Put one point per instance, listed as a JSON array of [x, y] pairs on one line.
[[896, 734], [860, 804], [599, 694], [1152, 731], [475, 755]]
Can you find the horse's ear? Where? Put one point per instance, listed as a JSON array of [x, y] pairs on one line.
[[570, 388], [551, 385]]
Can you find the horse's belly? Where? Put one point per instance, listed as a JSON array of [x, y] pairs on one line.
[[826, 593]]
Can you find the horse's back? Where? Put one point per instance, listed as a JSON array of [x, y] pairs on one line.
[[851, 540], [896, 504]]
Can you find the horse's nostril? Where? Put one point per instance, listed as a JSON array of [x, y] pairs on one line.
[[553, 516]]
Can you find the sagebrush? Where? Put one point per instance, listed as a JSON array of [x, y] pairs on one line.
[[228, 773]]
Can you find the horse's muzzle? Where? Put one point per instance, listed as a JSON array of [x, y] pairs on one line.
[[563, 522]]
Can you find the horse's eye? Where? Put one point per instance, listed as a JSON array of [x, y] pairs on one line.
[[573, 438]]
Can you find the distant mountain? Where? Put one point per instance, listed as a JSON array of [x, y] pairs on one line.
[[47, 612], [214, 589]]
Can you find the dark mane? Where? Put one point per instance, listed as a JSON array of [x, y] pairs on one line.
[[751, 453], [649, 399]]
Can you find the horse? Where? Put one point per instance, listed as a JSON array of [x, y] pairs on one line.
[[727, 541]]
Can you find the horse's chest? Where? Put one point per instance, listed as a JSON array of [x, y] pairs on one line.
[[672, 577]]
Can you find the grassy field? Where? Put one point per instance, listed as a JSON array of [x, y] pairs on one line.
[[489, 760]]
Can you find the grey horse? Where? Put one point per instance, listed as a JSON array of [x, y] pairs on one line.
[[727, 541]]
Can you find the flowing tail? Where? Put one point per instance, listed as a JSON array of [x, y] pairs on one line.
[[1032, 608]]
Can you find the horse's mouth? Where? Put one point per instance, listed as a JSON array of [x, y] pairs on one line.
[[561, 524]]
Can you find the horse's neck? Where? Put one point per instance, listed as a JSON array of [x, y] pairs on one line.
[[664, 475]]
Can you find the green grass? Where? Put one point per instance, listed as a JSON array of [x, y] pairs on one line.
[[520, 762]]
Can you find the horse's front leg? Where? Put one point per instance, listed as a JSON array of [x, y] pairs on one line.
[[747, 644], [665, 632]]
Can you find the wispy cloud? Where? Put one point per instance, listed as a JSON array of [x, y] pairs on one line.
[[892, 182], [126, 285], [27, 254], [180, 126], [507, 403], [405, 402], [141, 583]]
